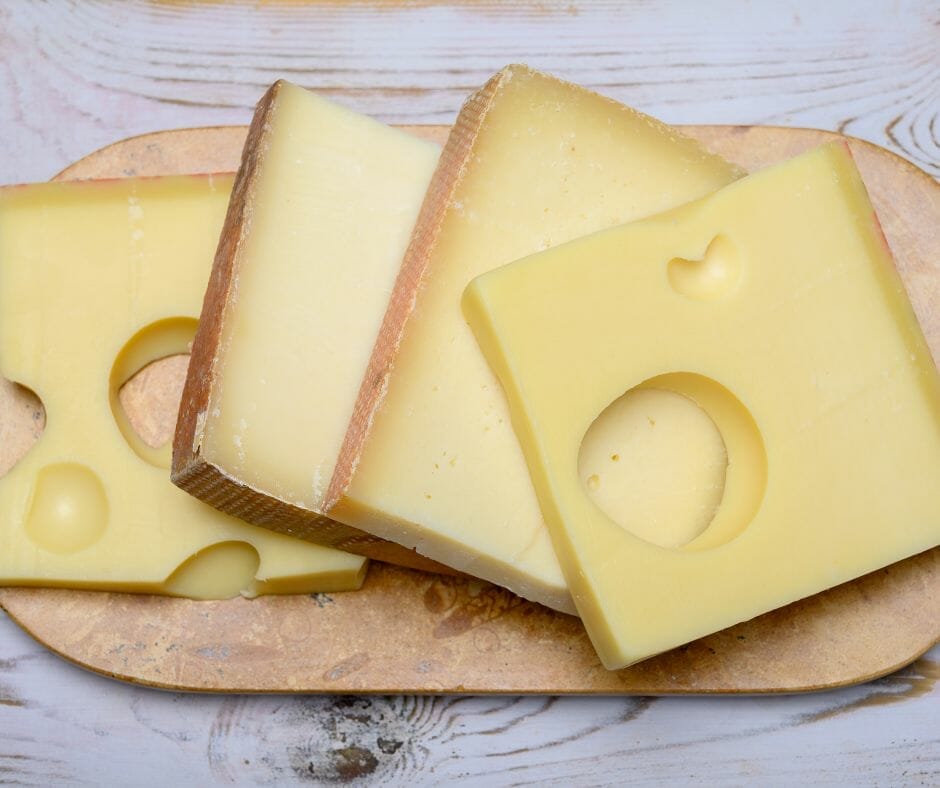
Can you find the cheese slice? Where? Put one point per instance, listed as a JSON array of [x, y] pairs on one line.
[[98, 279], [532, 162], [774, 307], [321, 214]]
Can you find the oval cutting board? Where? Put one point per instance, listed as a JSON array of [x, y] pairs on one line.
[[410, 632]]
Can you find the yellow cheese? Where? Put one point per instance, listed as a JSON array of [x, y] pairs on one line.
[[320, 217], [774, 307], [97, 279], [532, 162]]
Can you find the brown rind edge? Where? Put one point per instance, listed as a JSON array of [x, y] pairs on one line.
[[205, 480], [447, 176]]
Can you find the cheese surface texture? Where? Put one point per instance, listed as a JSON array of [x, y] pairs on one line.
[[774, 306], [532, 162], [97, 280], [323, 208]]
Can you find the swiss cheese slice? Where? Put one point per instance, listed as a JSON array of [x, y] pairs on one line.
[[97, 279], [531, 162], [773, 306], [321, 213]]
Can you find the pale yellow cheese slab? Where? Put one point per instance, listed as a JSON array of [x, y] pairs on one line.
[[335, 206], [97, 279], [775, 307], [321, 214], [532, 162]]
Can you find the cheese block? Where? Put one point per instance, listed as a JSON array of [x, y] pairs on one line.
[[97, 280], [775, 308], [531, 162], [321, 213]]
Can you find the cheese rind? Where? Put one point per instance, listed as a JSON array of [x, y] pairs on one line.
[[97, 279], [775, 305], [321, 214], [531, 162]]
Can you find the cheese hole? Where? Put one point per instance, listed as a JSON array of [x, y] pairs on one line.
[[712, 276], [678, 461], [220, 571], [23, 422], [655, 463], [151, 399], [146, 384], [68, 508]]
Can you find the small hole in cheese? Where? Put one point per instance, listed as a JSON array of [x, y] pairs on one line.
[[713, 276]]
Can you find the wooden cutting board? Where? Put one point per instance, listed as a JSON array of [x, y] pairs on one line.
[[406, 631]]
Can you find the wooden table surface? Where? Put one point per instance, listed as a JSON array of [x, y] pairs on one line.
[[76, 76]]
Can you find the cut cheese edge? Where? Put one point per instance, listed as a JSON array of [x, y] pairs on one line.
[[320, 217], [775, 306], [98, 279], [531, 162]]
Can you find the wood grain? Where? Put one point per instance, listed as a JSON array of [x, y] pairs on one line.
[[107, 69], [65, 726], [411, 632]]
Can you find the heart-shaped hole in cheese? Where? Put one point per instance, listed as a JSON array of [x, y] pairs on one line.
[[713, 276]]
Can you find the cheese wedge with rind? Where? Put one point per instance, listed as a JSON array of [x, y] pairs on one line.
[[532, 162], [321, 213], [775, 306], [97, 279]]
